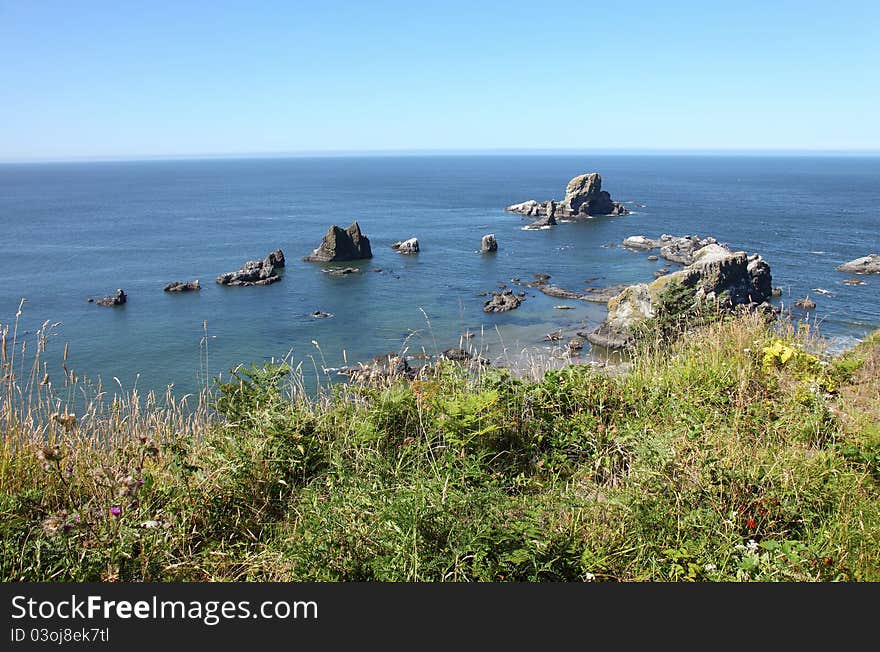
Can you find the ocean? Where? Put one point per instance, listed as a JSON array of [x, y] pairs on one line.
[[71, 231]]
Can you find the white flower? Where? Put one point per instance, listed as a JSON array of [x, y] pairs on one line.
[[709, 567], [752, 545], [589, 577]]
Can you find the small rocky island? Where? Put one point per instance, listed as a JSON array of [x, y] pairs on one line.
[[584, 197], [255, 272], [715, 273], [341, 244], [114, 300], [869, 264]]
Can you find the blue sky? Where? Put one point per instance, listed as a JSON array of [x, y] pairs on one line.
[[129, 79]]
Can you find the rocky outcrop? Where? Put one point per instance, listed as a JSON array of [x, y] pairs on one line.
[[115, 300], [716, 274], [341, 244], [677, 249], [488, 244], [805, 304], [584, 197], [256, 272], [410, 246], [503, 301], [869, 264], [180, 286], [342, 271], [603, 295], [544, 223], [557, 292]]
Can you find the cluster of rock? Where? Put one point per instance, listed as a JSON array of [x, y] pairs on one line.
[[183, 286], [503, 301], [341, 244], [678, 249], [488, 244], [255, 272], [114, 300], [869, 264], [410, 246], [584, 197], [715, 272]]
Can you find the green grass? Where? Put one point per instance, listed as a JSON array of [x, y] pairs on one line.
[[736, 453]]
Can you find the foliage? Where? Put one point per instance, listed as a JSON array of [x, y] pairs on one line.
[[734, 454]]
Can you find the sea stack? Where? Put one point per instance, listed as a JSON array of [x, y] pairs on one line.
[[488, 244], [584, 197], [255, 272], [341, 244]]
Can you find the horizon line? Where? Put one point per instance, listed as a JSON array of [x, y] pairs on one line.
[[498, 151]]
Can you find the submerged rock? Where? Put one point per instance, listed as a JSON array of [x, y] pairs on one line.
[[115, 300], [179, 286], [583, 197], [341, 244], [410, 246], [869, 264], [255, 272], [488, 244]]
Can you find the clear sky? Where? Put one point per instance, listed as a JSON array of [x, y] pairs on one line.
[[129, 78]]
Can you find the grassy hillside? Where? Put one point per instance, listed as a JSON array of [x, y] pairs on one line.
[[738, 453]]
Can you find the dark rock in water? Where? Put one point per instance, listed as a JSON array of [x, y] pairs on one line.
[[457, 355], [503, 301], [575, 344], [342, 271], [274, 259], [555, 336], [540, 279], [544, 222], [716, 271], [806, 303], [583, 197], [410, 246], [660, 272], [342, 244], [869, 264], [116, 300], [776, 292], [488, 244], [854, 281], [321, 315], [188, 286], [460, 355], [255, 272]]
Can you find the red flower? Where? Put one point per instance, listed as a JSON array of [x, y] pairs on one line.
[[751, 523]]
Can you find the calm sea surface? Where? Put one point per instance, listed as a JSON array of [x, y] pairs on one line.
[[73, 231]]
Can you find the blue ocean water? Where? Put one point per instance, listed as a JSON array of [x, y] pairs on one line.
[[77, 230]]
